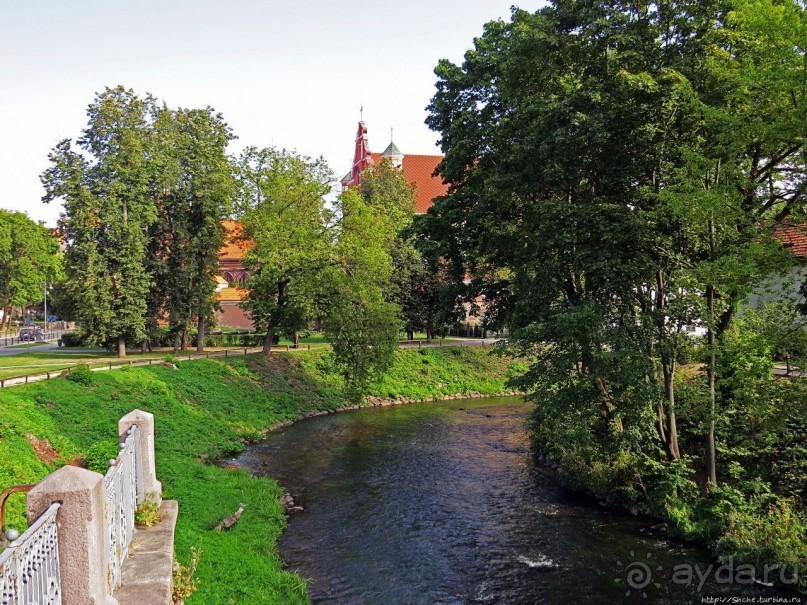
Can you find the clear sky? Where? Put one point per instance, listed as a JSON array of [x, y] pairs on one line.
[[287, 73]]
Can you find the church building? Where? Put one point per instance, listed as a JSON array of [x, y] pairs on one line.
[[419, 170]]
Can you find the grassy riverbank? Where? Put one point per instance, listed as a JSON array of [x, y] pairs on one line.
[[205, 410]]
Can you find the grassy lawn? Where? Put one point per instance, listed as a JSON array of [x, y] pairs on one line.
[[61, 359]]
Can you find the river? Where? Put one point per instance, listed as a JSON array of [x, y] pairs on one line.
[[441, 503]]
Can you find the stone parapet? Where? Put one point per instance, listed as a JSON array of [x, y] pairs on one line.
[[147, 572]]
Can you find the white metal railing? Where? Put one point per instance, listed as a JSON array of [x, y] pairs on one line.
[[29, 567], [123, 486]]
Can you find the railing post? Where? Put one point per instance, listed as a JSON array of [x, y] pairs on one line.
[[148, 474], [82, 523]]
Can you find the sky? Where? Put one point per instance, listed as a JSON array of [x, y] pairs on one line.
[[290, 74]]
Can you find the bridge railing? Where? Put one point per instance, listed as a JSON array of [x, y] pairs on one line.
[[123, 488], [29, 567], [81, 561]]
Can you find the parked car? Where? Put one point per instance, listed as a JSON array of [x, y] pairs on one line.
[[32, 334]]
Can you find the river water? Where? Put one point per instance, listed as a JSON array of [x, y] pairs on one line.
[[441, 503]]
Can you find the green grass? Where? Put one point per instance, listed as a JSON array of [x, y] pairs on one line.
[[60, 359], [205, 411]]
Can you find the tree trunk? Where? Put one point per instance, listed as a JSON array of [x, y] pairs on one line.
[[296, 338], [121, 347], [200, 334], [669, 389], [711, 454], [143, 346], [185, 339], [267, 341]]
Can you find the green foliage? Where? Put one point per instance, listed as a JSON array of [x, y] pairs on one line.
[[29, 258], [774, 537], [80, 374], [659, 148], [71, 339], [99, 454], [147, 514], [361, 324], [183, 583], [104, 184], [282, 207], [145, 190], [194, 187]]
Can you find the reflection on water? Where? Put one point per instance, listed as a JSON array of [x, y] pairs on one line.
[[441, 504]]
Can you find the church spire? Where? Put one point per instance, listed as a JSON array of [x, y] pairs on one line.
[[392, 153]]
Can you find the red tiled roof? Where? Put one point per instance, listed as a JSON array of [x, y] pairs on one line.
[[794, 239], [234, 246], [418, 170]]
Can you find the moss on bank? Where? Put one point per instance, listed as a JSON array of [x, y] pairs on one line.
[[206, 410]]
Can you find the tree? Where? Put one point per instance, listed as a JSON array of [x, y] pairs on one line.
[[29, 261], [285, 220], [360, 322], [612, 180], [192, 189], [104, 182], [419, 284]]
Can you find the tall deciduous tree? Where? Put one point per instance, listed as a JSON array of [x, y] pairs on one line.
[[285, 220], [29, 260], [615, 172], [193, 189], [360, 321], [104, 182]]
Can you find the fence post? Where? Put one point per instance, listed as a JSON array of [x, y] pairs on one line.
[[145, 422], [83, 530]]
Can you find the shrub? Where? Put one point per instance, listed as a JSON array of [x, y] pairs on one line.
[[80, 374], [775, 538], [99, 455], [184, 582], [71, 339], [147, 513]]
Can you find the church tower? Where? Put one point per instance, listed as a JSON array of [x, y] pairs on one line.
[[393, 154]]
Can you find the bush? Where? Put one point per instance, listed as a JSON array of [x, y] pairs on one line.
[[80, 374], [184, 580], [99, 455], [71, 339], [775, 538], [147, 513]]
